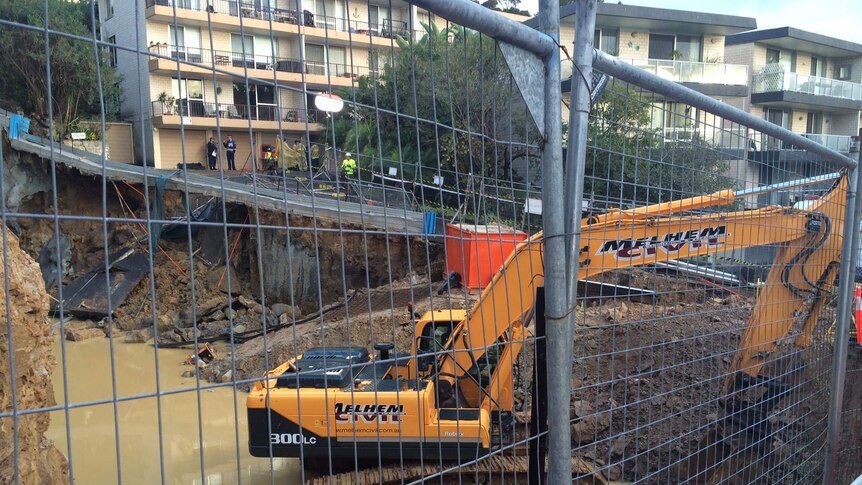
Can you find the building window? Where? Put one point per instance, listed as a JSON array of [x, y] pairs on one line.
[[315, 59], [773, 56], [607, 40], [844, 72], [675, 47], [329, 60], [190, 96], [113, 50], [688, 48], [110, 8]]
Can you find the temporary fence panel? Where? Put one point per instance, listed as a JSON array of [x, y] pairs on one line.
[[300, 320]]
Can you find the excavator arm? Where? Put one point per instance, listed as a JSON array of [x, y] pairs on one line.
[[804, 268]]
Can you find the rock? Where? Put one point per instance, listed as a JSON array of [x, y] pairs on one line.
[[38, 461], [139, 336], [258, 308], [615, 312], [285, 319], [230, 313], [240, 329], [164, 322], [280, 308], [80, 334], [614, 473], [587, 424], [188, 373], [227, 376], [215, 316], [246, 302], [214, 329], [619, 446], [169, 336], [647, 365], [127, 324]]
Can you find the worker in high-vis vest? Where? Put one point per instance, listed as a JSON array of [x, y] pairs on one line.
[[348, 165]]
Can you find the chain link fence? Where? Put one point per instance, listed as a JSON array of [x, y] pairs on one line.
[[446, 308]]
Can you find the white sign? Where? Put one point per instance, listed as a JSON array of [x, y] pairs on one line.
[[79, 135], [533, 206], [438, 180], [393, 171], [187, 120]]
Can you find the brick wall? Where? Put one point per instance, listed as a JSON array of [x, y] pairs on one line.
[[634, 47], [713, 48], [798, 121]]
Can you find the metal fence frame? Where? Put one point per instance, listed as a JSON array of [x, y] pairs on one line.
[[563, 192], [559, 203]]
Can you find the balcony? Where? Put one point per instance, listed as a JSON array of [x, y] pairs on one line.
[[194, 113], [279, 18], [775, 87], [714, 79], [236, 64]]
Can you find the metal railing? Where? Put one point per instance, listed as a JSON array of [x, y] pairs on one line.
[[219, 58], [772, 80], [274, 11], [260, 112], [839, 143], [694, 72]]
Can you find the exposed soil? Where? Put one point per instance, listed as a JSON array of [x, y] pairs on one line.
[[647, 376]]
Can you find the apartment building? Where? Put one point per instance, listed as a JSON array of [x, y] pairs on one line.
[[682, 46], [806, 82], [192, 79]]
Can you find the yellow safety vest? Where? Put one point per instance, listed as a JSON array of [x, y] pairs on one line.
[[349, 166]]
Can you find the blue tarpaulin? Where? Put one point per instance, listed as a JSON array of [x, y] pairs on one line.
[[18, 125], [430, 226]]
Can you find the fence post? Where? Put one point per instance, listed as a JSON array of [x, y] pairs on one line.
[[579, 119], [559, 334], [846, 275]]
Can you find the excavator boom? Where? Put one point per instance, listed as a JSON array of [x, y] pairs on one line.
[[451, 396]]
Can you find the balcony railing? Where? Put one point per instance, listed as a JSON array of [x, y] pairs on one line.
[[207, 58], [261, 112], [775, 79], [694, 72], [271, 10], [839, 143]]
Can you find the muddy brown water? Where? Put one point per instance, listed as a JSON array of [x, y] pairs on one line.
[[92, 428]]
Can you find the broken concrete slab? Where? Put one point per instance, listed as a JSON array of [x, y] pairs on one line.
[[87, 296]]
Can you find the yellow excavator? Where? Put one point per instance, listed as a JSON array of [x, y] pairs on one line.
[[451, 397]]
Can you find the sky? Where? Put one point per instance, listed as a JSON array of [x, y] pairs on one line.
[[841, 19]]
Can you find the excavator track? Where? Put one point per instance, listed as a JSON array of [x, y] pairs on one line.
[[411, 471]]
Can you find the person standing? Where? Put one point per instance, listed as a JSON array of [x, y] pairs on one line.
[[301, 155], [212, 152], [231, 152], [315, 156], [348, 166]]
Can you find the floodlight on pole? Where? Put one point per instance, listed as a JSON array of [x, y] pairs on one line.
[[328, 102]]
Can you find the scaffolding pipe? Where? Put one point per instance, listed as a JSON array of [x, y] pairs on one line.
[[476, 17], [575, 167], [846, 288], [612, 66], [557, 316]]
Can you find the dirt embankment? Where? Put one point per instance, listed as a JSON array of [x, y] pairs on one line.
[[38, 461]]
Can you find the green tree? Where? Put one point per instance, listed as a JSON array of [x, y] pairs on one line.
[[453, 76], [628, 159], [74, 86]]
